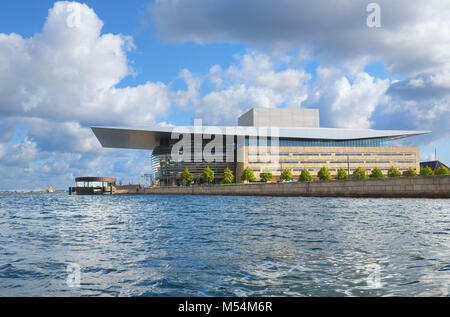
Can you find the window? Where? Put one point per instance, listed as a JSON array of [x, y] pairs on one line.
[[345, 162], [388, 154], [306, 154], [378, 162], [314, 162]]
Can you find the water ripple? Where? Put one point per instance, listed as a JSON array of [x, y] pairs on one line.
[[224, 246]]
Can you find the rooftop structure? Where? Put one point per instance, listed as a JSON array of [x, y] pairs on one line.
[[273, 117]]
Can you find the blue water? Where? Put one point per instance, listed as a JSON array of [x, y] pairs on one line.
[[223, 246]]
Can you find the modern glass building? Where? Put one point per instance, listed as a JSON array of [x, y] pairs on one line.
[[264, 140]]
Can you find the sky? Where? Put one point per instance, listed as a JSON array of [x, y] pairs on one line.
[[68, 66]]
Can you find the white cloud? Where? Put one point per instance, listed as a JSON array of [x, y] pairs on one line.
[[67, 74], [254, 81], [347, 102], [58, 83], [69, 137], [184, 98], [20, 154], [413, 37]]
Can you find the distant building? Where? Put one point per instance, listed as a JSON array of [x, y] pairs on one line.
[[434, 165], [300, 144]]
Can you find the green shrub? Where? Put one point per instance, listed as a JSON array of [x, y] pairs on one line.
[[442, 171], [207, 175], [342, 174], [426, 171], [248, 175], [186, 177], [228, 177], [376, 173], [286, 175], [394, 172], [360, 173], [324, 174], [266, 176], [411, 172], [305, 176]]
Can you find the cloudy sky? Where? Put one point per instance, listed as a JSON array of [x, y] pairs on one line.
[[67, 66]]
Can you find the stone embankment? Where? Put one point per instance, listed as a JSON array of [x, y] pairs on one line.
[[416, 187]]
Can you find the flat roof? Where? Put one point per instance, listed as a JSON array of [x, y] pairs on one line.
[[149, 138]]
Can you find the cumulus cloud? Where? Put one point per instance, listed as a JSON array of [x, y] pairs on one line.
[[413, 38], [61, 81], [20, 154], [253, 81], [69, 137], [69, 73], [347, 101], [184, 98]]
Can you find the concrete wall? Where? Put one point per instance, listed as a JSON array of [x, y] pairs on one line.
[[420, 187]]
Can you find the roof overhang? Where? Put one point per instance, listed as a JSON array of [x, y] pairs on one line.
[[148, 139]]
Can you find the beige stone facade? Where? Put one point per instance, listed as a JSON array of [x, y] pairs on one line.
[[314, 158]]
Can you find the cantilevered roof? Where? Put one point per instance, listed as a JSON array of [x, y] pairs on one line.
[[148, 139]]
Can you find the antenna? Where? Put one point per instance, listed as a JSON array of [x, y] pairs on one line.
[[435, 154]]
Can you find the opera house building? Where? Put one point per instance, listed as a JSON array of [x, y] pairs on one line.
[[265, 139]]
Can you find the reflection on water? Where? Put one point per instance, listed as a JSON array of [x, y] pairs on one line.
[[224, 246]]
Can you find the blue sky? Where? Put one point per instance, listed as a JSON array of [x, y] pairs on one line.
[[142, 63]]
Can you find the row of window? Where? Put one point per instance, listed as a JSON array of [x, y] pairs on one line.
[[377, 142], [336, 154], [337, 162]]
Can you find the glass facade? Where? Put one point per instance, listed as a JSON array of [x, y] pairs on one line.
[[376, 142], [93, 184], [168, 171], [379, 142]]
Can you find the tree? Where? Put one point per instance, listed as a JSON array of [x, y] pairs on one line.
[[186, 177], [248, 175], [266, 176], [305, 176], [360, 173], [286, 175], [324, 174], [342, 173], [442, 171], [426, 171], [411, 172], [228, 177], [394, 172], [376, 173], [207, 175]]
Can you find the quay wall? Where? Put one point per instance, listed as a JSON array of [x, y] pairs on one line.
[[417, 187]]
